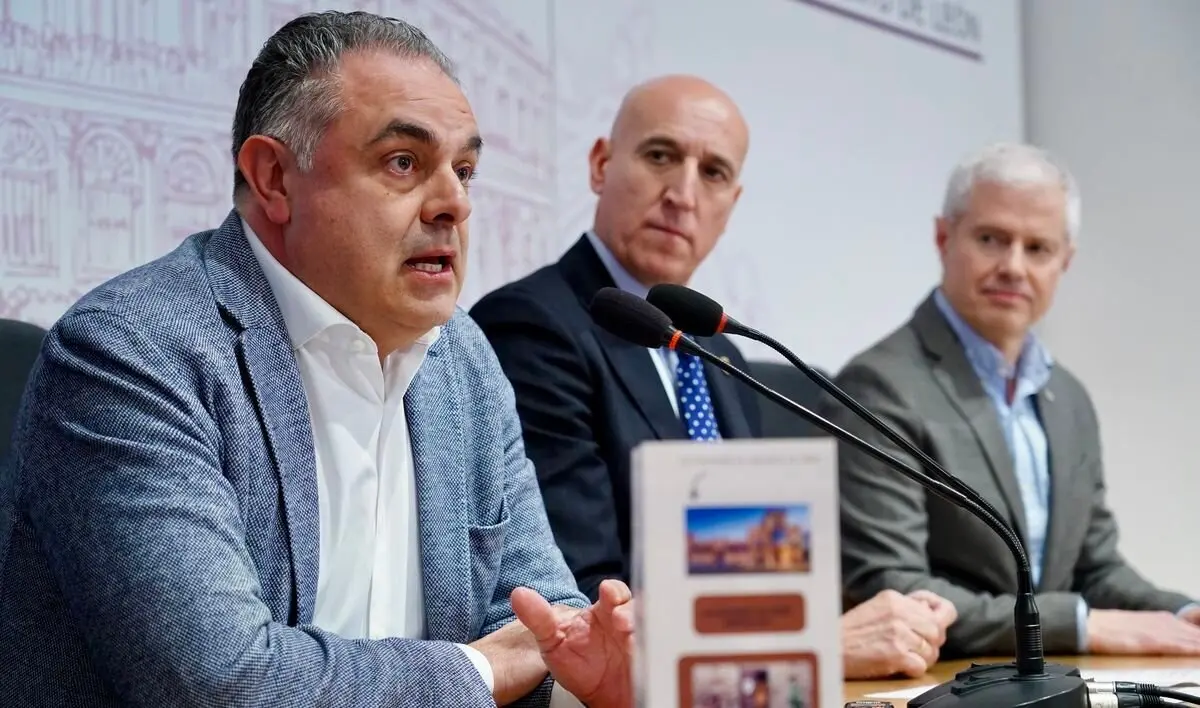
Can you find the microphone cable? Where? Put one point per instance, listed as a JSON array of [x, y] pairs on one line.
[[1117, 694]]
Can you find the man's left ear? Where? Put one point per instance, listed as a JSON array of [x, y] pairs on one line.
[[1070, 256]]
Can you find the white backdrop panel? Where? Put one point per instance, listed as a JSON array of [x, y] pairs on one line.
[[114, 122]]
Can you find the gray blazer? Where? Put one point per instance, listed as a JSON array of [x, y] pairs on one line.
[[158, 531], [895, 535]]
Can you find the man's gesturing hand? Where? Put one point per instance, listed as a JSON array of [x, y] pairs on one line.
[[588, 651]]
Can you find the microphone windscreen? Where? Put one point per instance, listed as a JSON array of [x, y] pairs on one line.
[[692, 312], [630, 317]]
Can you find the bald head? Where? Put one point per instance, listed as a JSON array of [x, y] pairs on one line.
[[660, 99], [667, 176]]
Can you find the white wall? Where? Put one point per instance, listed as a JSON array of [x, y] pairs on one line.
[[857, 109], [855, 121], [1113, 87]]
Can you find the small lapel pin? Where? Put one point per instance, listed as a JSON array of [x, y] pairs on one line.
[[727, 361]]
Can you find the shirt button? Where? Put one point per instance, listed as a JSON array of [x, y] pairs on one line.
[[357, 345]]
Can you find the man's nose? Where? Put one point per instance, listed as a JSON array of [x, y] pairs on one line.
[[447, 201], [683, 185], [1013, 262]]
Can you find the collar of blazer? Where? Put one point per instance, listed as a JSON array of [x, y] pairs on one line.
[[437, 436], [953, 373], [585, 273]]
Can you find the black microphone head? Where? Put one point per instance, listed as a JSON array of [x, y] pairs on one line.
[[694, 313], [631, 318]]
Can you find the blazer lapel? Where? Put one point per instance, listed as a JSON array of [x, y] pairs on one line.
[[635, 370], [979, 413], [726, 401], [583, 270], [963, 389], [433, 407], [269, 365], [266, 358], [1059, 426]]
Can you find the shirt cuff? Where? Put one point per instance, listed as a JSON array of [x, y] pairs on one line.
[[482, 665], [562, 698], [1081, 616], [1187, 608]]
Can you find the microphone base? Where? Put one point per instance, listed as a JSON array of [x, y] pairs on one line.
[[1002, 686]]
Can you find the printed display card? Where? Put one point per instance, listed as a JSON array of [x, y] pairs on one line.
[[737, 574]]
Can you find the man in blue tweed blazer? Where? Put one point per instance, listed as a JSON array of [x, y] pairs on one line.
[[278, 467]]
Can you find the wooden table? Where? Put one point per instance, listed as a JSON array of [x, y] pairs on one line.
[[855, 690]]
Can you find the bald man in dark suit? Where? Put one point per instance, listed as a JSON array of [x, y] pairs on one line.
[[667, 178]]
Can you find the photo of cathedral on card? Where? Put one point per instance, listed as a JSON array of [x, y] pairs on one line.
[[748, 539], [749, 681]]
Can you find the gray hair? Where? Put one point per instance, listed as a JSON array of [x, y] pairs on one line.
[[291, 92], [1012, 164]]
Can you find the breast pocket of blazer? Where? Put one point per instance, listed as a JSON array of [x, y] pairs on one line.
[[487, 551]]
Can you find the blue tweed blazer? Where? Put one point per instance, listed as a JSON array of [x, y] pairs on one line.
[[158, 523]]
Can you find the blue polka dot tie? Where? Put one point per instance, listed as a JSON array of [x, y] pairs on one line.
[[695, 403]]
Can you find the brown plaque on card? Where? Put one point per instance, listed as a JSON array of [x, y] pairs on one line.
[[733, 614]]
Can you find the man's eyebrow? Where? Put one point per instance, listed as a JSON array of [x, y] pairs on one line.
[[661, 141], [405, 129], [418, 132], [474, 144]]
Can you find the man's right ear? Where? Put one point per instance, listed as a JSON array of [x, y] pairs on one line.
[[263, 161], [941, 233], [597, 164]]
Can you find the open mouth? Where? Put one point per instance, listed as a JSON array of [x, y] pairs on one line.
[[429, 264]]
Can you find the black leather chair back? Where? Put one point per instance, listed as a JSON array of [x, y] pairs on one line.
[[20, 343], [786, 379]]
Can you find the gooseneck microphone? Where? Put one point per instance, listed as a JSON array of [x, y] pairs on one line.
[[699, 315], [1027, 682], [636, 320]]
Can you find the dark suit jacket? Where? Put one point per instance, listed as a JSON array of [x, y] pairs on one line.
[[896, 535], [586, 398]]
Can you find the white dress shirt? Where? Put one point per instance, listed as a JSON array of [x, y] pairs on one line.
[[369, 582]]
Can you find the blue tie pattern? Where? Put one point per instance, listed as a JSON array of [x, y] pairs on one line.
[[695, 403]]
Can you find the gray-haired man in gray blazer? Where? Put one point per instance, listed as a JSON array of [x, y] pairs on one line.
[[967, 381]]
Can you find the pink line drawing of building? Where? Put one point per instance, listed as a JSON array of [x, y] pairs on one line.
[[594, 70], [511, 90], [115, 119]]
